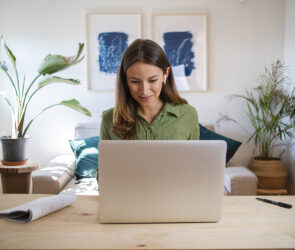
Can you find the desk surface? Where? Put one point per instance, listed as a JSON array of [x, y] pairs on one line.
[[246, 224]]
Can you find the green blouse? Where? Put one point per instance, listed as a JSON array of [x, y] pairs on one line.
[[174, 122]]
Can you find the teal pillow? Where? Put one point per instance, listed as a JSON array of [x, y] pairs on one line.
[[232, 145], [86, 153]]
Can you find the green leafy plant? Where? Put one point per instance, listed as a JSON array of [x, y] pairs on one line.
[[271, 110], [23, 92]]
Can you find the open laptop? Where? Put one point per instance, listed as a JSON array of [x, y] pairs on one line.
[[161, 181]]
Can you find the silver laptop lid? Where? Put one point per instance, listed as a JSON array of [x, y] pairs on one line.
[[161, 181]]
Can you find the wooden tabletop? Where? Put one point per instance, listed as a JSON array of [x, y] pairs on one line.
[[26, 168], [246, 224]]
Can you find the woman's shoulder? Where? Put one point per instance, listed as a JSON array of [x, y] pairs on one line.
[[107, 115], [186, 109]]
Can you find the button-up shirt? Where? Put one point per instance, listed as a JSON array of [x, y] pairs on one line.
[[174, 122]]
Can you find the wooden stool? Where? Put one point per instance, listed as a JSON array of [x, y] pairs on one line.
[[17, 179]]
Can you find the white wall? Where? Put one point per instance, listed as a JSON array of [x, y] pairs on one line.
[[289, 157], [242, 38]]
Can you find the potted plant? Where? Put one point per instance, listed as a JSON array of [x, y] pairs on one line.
[[271, 112], [13, 146]]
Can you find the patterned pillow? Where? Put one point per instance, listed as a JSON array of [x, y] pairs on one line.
[[86, 153]]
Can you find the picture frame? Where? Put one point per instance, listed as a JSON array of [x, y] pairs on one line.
[[108, 35], [184, 40]]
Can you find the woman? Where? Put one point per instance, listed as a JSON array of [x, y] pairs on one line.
[[148, 106]]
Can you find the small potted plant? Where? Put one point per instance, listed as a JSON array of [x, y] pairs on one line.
[[13, 146], [271, 112]]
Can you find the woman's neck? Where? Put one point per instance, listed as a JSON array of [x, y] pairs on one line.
[[149, 113]]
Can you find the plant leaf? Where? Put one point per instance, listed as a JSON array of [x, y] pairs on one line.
[[81, 47], [54, 79], [3, 95], [74, 104], [54, 63], [8, 52], [4, 66]]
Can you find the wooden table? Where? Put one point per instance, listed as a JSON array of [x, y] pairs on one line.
[[246, 224], [17, 179]]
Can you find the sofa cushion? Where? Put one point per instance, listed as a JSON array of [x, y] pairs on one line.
[[232, 145], [86, 130], [53, 177], [240, 181], [86, 153]]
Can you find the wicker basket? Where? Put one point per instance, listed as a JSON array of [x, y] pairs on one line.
[[271, 174]]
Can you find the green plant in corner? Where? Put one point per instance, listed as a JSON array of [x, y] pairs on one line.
[[23, 92], [271, 110], [271, 113]]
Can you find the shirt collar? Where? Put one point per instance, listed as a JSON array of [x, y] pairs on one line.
[[168, 108], [171, 108]]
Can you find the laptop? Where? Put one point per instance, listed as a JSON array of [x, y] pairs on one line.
[[161, 181]]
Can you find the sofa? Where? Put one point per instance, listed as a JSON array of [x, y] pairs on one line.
[[59, 174]]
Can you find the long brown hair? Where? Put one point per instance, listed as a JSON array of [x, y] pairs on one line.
[[125, 111]]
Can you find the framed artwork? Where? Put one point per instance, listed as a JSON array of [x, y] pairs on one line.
[[184, 40], [108, 35]]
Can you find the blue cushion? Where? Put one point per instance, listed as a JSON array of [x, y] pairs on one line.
[[232, 145], [86, 153]]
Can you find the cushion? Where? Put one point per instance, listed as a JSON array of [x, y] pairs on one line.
[[240, 181], [232, 145], [52, 178], [86, 153]]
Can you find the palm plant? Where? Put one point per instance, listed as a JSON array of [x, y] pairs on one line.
[[23, 93], [271, 110]]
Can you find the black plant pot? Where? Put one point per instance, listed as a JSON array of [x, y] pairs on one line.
[[13, 149]]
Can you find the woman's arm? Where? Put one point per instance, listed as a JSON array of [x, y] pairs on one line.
[[105, 127], [195, 130]]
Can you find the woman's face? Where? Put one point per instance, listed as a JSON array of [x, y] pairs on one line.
[[145, 83]]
